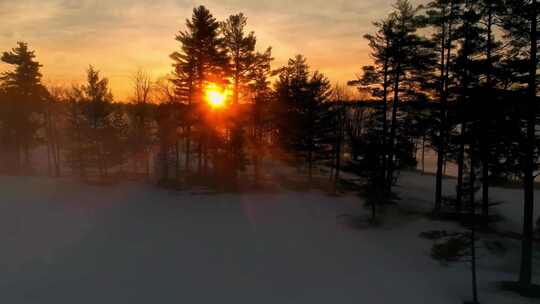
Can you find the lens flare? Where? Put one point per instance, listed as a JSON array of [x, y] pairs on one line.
[[215, 96]]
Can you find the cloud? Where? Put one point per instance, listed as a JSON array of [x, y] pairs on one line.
[[122, 35]]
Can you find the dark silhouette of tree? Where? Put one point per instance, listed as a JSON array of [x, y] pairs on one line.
[[202, 59], [376, 80], [411, 62], [469, 45], [76, 149], [403, 62], [240, 47], [336, 130], [96, 128], [54, 122], [170, 117], [140, 128], [23, 96], [441, 16], [520, 23], [244, 61], [300, 95], [260, 88]]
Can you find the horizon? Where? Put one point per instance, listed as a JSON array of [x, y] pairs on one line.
[[68, 36]]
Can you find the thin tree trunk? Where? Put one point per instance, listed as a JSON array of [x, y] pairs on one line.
[[384, 136], [485, 138], [461, 168], [473, 226], [446, 46], [188, 149], [56, 150], [177, 160], [257, 154], [424, 154], [338, 151], [164, 162], [310, 165], [147, 154], [200, 156], [525, 274], [464, 86], [393, 127], [440, 152]]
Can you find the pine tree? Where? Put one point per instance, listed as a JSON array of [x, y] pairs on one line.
[[95, 128], [300, 95], [411, 60], [441, 15], [466, 70], [201, 60], [520, 23], [403, 64], [260, 110], [24, 97], [243, 61], [376, 80]]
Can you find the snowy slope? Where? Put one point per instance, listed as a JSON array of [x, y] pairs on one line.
[[64, 242]]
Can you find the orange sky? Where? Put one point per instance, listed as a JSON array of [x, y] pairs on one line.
[[118, 37]]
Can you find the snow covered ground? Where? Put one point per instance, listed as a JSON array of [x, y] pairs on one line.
[[65, 242]]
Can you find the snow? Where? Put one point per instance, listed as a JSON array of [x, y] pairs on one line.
[[66, 242]]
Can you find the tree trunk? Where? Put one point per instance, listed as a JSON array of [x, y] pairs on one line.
[[384, 137], [525, 274], [461, 168], [188, 149], [464, 86], [393, 127], [424, 154], [473, 226], [177, 160], [485, 144], [446, 46], [338, 151], [200, 155]]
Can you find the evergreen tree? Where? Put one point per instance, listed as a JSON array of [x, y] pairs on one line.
[[260, 111], [403, 64], [201, 60], [520, 23], [97, 130], [411, 62], [441, 15], [23, 97], [243, 62], [376, 80], [300, 95]]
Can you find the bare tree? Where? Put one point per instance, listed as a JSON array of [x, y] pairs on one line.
[[141, 137]]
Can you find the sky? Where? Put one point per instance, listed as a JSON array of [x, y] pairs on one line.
[[122, 36]]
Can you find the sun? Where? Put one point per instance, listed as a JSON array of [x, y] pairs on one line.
[[215, 96]]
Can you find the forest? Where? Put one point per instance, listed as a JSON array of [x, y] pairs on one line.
[[457, 78]]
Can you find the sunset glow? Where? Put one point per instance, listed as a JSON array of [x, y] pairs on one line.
[[70, 35], [215, 96]]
